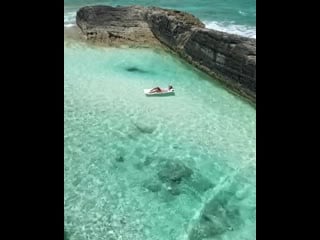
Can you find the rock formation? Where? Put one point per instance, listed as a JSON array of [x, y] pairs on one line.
[[120, 25], [227, 57]]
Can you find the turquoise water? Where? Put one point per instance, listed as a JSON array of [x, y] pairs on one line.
[[155, 168], [234, 16]]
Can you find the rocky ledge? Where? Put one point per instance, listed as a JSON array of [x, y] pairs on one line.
[[227, 57]]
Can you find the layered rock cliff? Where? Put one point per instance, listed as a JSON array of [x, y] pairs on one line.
[[227, 57], [120, 25]]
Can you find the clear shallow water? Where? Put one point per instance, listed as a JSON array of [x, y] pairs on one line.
[[137, 167], [234, 16]]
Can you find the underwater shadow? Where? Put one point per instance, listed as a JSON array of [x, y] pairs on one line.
[[162, 95], [135, 69]]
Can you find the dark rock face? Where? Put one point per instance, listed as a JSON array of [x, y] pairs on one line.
[[228, 57], [231, 57], [171, 27], [115, 25]]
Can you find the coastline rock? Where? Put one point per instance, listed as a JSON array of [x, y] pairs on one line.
[[228, 57], [172, 28], [115, 25]]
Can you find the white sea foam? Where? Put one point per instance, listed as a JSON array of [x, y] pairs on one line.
[[242, 13], [231, 27], [69, 25], [70, 18]]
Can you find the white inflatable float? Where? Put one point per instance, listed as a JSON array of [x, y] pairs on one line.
[[164, 91]]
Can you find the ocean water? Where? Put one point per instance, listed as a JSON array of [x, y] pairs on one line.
[[233, 16], [180, 167]]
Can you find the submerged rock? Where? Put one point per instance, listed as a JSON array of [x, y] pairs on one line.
[[174, 172], [144, 127], [218, 216], [200, 183], [120, 159], [174, 189], [148, 160], [152, 185], [66, 235], [174, 176]]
